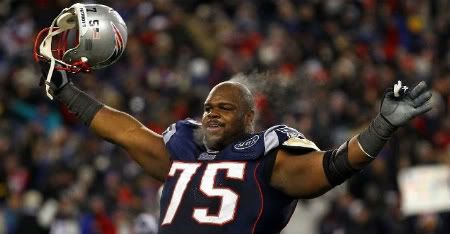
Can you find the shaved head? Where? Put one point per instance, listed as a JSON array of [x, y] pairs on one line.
[[244, 93]]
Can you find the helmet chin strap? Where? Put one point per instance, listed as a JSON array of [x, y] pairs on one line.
[[49, 78], [45, 48]]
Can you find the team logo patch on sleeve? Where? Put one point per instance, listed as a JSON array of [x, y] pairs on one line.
[[290, 132], [247, 144]]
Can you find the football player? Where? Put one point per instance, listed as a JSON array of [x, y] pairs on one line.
[[219, 175], [222, 177]]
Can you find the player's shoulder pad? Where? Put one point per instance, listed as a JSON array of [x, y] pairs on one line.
[[289, 139], [182, 127], [179, 139]]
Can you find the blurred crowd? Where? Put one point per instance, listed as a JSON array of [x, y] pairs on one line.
[[319, 66]]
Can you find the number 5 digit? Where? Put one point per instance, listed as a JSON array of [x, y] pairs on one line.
[[229, 198]]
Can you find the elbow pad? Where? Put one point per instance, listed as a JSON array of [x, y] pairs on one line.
[[336, 165]]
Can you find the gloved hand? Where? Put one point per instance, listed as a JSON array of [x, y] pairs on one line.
[[399, 106], [61, 88], [60, 78]]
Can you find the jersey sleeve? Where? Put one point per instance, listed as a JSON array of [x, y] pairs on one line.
[[282, 136], [180, 141], [286, 138]]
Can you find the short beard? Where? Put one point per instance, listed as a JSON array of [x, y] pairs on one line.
[[200, 138]]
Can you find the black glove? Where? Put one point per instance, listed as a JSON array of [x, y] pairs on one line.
[[60, 78], [399, 106]]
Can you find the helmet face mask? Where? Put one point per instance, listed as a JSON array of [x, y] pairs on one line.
[[83, 37]]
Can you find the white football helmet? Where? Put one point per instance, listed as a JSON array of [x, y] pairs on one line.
[[81, 38]]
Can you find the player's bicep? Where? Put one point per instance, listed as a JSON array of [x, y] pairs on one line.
[[300, 176], [145, 146], [148, 150]]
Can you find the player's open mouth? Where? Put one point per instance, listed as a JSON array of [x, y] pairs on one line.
[[214, 126]]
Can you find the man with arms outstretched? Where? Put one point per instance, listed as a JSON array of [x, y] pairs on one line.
[[222, 177]]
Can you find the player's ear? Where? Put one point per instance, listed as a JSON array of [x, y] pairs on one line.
[[249, 120]]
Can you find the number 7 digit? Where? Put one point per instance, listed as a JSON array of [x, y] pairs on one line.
[[187, 171]]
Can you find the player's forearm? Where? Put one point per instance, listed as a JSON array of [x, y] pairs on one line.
[[110, 124], [356, 157], [342, 163], [367, 145], [78, 102], [114, 125]]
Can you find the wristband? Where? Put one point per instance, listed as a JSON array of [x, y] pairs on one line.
[[372, 140], [79, 103]]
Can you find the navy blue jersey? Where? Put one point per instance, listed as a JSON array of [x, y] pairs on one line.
[[225, 191]]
